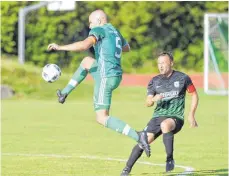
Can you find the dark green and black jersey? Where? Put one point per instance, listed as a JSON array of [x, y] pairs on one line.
[[173, 90]]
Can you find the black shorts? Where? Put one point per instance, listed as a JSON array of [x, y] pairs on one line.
[[154, 127]]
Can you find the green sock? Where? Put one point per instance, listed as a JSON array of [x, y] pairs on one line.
[[121, 127], [76, 79]]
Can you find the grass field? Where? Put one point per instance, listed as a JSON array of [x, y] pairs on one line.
[[43, 138]]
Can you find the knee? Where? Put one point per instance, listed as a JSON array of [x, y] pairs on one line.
[[101, 119], [164, 127], [87, 62], [150, 137]]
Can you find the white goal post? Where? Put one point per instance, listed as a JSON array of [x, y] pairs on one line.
[[66, 5], [216, 54]]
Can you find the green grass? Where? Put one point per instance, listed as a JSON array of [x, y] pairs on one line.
[[35, 124], [46, 127]]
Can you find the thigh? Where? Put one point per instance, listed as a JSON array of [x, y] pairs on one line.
[[103, 91], [179, 124], [168, 125], [93, 71], [154, 126]]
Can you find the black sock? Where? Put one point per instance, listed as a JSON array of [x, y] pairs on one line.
[[168, 142], [135, 154]]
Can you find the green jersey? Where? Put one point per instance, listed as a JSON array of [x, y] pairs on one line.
[[173, 90], [108, 50]]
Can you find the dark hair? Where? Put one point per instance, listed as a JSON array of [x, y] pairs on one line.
[[165, 53]]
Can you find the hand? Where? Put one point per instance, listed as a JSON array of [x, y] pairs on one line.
[[192, 121], [53, 46], [157, 97]]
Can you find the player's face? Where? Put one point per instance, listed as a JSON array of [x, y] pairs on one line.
[[164, 65]]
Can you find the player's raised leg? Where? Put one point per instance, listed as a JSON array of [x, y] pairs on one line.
[[120, 126], [76, 79], [102, 101]]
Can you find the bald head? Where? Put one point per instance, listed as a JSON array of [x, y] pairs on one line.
[[97, 18]]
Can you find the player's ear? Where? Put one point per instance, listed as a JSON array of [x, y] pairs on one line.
[[99, 21], [171, 63]]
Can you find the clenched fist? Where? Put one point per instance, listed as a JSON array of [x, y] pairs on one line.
[[53, 46]]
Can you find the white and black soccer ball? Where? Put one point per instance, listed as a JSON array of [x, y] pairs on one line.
[[51, 73]]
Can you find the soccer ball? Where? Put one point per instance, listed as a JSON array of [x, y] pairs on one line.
[[51, 73]]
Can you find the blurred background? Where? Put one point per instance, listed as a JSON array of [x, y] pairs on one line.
[[149, 27]]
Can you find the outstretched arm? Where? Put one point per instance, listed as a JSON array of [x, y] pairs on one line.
[[77, 46]]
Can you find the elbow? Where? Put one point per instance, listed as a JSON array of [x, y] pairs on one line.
[[196, 95], [126, 48], [195, 98]]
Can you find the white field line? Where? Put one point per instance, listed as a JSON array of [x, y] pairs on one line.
[[187, 169]]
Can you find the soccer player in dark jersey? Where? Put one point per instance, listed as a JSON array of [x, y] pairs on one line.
[[106, 71], [168, 90]]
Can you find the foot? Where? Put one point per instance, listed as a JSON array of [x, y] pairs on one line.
[[169, 165], [61, 97], [143, 142], [126, 171]]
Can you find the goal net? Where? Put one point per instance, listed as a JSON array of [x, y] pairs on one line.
[[216, 54]]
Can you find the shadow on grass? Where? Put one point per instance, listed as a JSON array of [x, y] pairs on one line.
[[219, 172]]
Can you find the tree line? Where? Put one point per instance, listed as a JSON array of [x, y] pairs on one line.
[[149, 27]]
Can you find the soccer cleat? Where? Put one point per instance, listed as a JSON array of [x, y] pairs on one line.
[[169, 165], [125, 171], [61, 97], [143, 142]]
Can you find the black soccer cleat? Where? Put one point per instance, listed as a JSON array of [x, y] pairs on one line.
[[126, 171], [169, 165], [143, 142], [61, 97]]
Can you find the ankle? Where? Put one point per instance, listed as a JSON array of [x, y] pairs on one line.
[[168, 159]]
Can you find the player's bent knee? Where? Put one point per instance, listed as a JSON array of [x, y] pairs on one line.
[[150, 137], [165, 127], [87, 62], [101, 119]]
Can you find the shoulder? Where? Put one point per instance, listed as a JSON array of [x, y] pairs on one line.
[[156, 78], [181, 74], [184, 77], [97, 30]]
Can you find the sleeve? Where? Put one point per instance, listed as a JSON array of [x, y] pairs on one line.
[[151, 88], [189, 85], [98, 33], [124, 42]]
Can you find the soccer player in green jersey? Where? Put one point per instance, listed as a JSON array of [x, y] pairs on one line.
[[106, 71], [168, 90]]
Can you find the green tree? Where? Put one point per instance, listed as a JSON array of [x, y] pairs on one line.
[[149, 27]]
